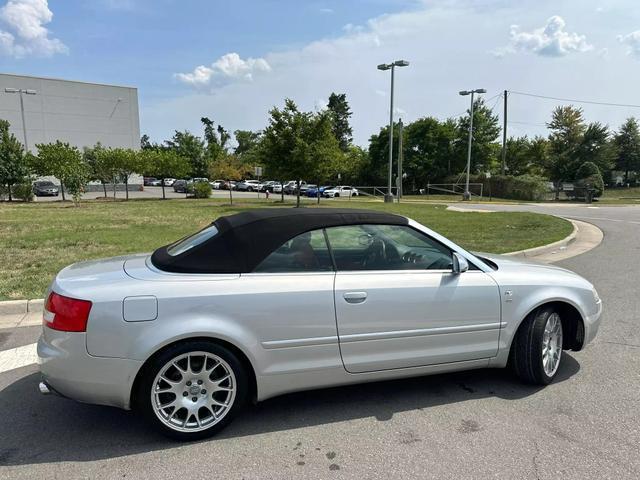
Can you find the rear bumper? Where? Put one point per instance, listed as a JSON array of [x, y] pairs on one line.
[[67, 369]]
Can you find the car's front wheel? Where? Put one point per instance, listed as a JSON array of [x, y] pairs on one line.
[[193, 390], [537, 348]]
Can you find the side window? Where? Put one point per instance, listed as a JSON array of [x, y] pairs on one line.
[[307, 252], [386, 247]]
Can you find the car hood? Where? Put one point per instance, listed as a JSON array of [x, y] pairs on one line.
[[512, 262]]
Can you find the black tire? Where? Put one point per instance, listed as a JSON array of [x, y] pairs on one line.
[[526, 357], [250, 189], [143, 400], [336, 195]]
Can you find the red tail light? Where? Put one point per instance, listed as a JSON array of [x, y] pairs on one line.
[[66, 314]]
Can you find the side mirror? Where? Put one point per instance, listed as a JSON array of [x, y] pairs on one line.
[[460, 264]]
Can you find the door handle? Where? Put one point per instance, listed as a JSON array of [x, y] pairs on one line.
[[355, 297]]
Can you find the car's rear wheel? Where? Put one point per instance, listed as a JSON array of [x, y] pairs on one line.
[[193, 390], [537, 349]]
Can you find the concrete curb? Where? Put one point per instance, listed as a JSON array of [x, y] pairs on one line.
[[555, 246], [560, 250]]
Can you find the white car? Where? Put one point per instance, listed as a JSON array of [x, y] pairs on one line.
[[217, 184], [279, 187], [168, 182], [341, 191], [278, 300]]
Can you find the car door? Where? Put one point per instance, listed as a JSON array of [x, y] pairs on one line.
[[398, 303], [290, 308]]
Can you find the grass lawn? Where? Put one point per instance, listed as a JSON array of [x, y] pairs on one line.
[[38, 239]]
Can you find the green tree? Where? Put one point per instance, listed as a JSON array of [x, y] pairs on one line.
[[595, 147], [588, 175], [627, 144], [99, 168], [428, 147], [191, 147], [340, 112], [247, 141], [567, 127], [13, 166], [164, 163], [572, 142], [124, 162], [64, 162], [299, 144], [526, 156], [216, 139], [486, 130]]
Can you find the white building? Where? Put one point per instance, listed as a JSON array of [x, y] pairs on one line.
[[79, 113]]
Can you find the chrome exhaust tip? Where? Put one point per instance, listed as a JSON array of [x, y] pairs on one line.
[[44, 388]]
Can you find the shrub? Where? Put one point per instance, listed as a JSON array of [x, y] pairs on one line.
[[522, 187], [202, 190], [589, 174], [22, 191]]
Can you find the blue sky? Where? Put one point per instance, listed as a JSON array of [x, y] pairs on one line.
[[233, 60]]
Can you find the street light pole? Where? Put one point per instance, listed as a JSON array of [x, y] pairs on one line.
[[391, 66], [22, 91], [467, 194]]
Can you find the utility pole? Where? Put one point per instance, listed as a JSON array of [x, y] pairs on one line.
[[400, 158], [504, 136]]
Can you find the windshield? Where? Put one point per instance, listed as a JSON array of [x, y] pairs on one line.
[[194, 240]]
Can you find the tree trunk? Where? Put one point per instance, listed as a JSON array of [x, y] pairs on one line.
[[104, 187], [318, 191], [62, 190], [114, 187], [126, 187], [164, 197], [297, 193], [230, 192], [281, 192], [9, 185]]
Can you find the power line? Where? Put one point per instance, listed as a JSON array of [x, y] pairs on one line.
[[592, 102]]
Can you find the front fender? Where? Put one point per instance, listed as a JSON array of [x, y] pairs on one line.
[[522, 301]]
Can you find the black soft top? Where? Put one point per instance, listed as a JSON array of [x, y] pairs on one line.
[[247, 238]]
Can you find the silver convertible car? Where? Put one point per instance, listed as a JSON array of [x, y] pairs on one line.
[[272, 301]]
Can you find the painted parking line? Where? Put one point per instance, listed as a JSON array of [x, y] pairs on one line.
[[18, 357]]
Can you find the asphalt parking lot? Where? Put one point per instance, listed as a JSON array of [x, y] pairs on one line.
[[478, 424]]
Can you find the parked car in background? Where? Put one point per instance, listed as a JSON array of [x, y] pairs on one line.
[[248, 186], [267, 186], [45, 188], [315, 191], [304, 188], [217, 184], [147, 181], [291, 188], [169, 182], [180, 186], [340, 191], [189, 335]]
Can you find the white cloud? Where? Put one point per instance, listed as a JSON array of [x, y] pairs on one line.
[[435, 39], [326, 10], [551, 40], [23, 31], [227, 68], [632, 41]]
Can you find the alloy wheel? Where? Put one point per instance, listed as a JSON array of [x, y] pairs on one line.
[[193, 391], [552, 344]]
